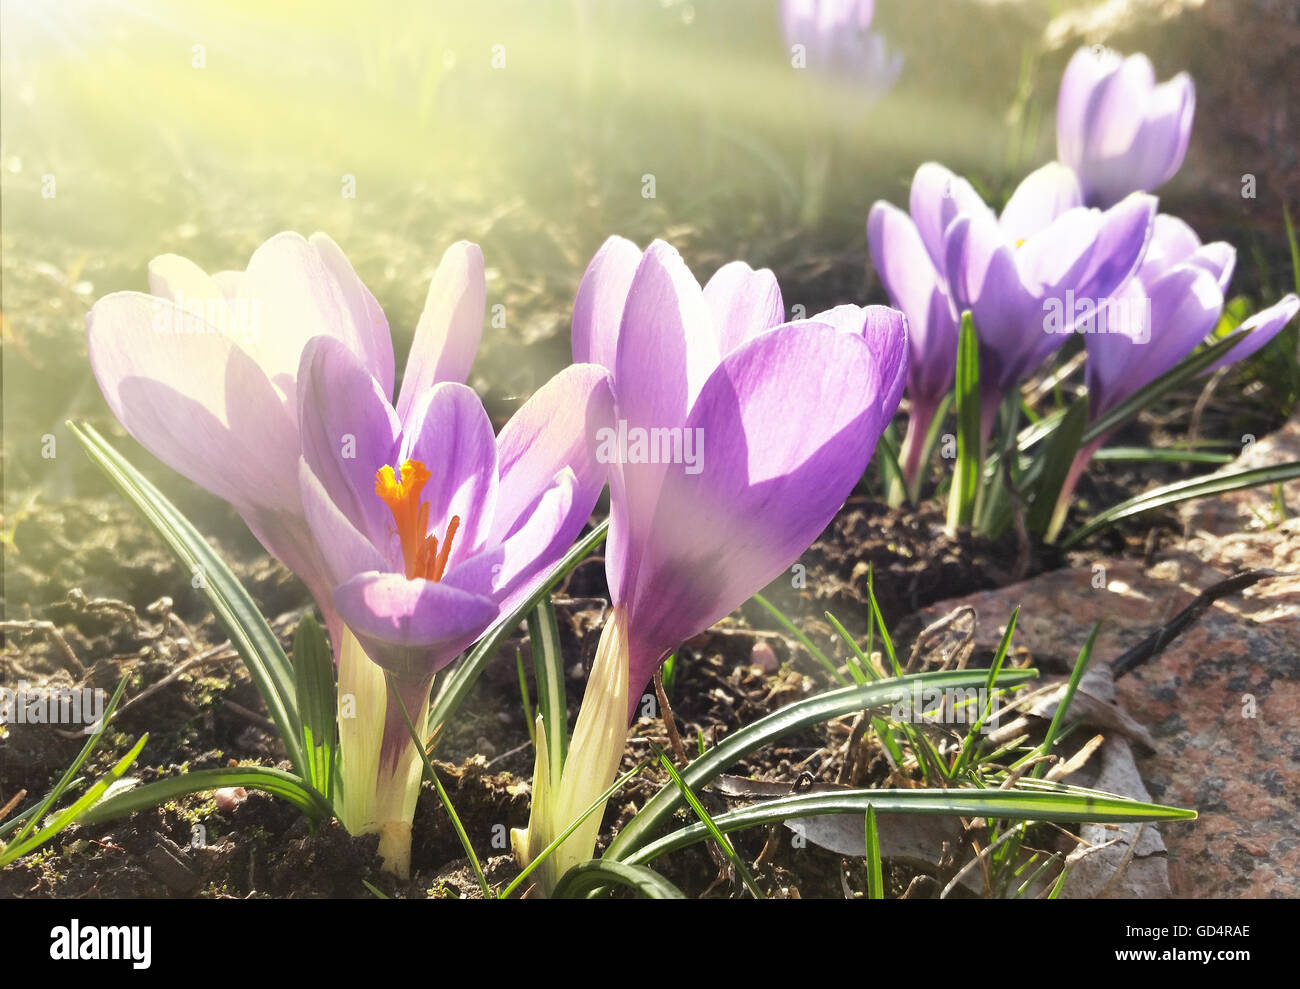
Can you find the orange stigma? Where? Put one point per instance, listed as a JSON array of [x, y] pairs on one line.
[[411, 517]]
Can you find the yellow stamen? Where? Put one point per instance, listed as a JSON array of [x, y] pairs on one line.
[[411, 519]]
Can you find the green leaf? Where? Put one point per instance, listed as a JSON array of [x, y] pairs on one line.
[[728, 849], [1161, 455], [558, 840], [803, 640], [966, 481], [315, 691], [1063, 804], [1057, 455], [1058, 719], [276, 782], [586, 877], [891, 473], [65, 780], [77, 811], [1172, 494], [238, 615], [802, 714], [466, 674], [875, 873], [1295, 248], [1183, 372], [548, 661]]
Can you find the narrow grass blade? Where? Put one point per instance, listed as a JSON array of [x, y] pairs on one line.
[[1064, 806], [1172, 494], [77, 810], [593, 874], [724, 843], [74, 767], [802, 714], [276, 782], [1058, 719], [804, 641], [313, 667], [1179, 375], [529, 714], [1160, 455], [559, 840], [885, 639], [891, 474], [863, 671], [875, 872], [965, 485], [1057, 454], [1295, 247], [548, 661], [466, 674], [238, 615]]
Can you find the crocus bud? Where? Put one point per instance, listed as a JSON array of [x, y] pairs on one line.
[[1118, 129]]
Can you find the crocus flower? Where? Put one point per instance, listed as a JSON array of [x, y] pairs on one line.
[[1157, 319], [431, 529], [839, 45], [203, 372], [781, 419], [909, 263], [1118, 129], [1030, 275]]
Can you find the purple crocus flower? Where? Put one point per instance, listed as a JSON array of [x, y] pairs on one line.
[[909, 264], [1030, 275], [837, 43], [744, 435], [203, 372], [431, 529], [1157, 319], [1118, 129]]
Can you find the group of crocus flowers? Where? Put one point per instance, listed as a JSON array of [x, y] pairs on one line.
[[1079, 248], [417, 529]]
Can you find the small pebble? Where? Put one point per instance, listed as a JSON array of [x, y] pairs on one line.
[[230, 797], [763, 656]]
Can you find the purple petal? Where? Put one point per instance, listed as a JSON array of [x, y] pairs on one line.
[[598, 308], [914, 286], [289, 295], [983, 273], [349, 431], [1184, 304], [509, 571], [411, 627], [1087, 69], [1122, 237], [885, 331], [743, 303], [450, 327], [450, 433], [193, 398], [376, 342], [938, 197], [1264, 326], [770, 480], [1043, 196], [343, 549], [666, 351], [557, 428]]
